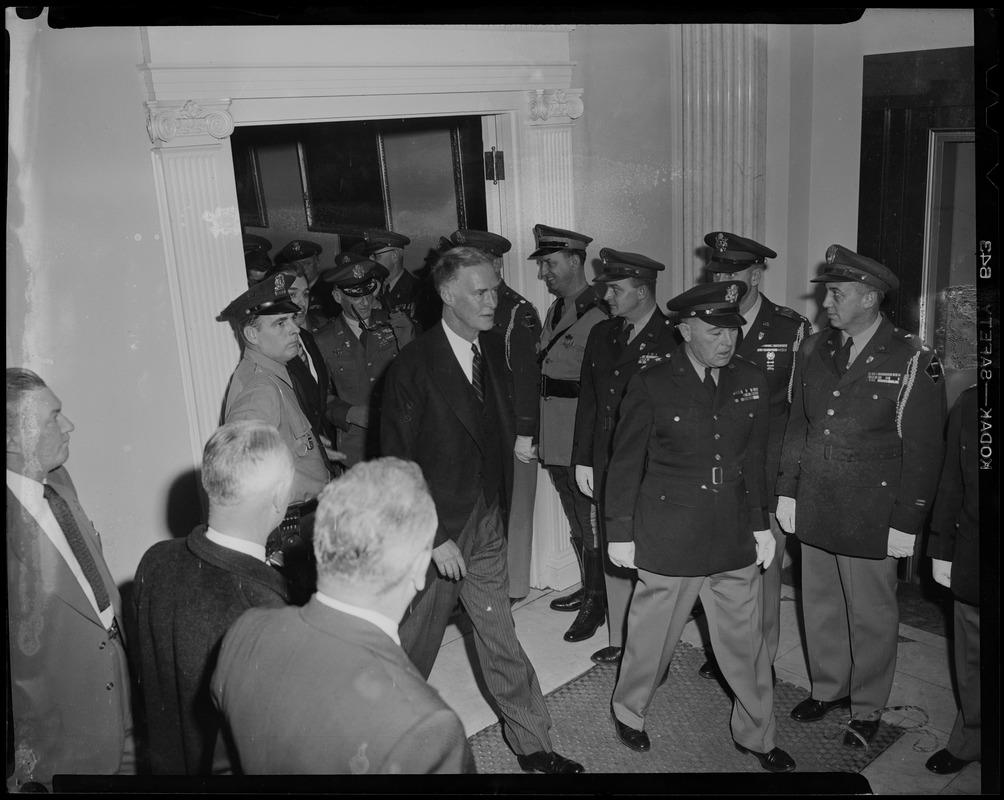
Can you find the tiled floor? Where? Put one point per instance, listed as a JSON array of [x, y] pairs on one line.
[[922, 691]]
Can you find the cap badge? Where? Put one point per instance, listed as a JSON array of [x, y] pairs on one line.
[[732, 294], [721, 243], [358, 271], [280, 284], [461, 239], [831, 254]]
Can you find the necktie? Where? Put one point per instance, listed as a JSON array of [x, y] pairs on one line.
[[559, 309], [364, 337], [709, 383], [61, 511], [739, 337], [478, 375], [843, 356], [623, 337]]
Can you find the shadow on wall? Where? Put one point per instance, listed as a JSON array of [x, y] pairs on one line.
[[186, 504]]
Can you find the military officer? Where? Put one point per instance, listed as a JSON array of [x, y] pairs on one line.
[[357, 348], [517, 322], [613, 351], [261, 389], [561, 261], [770, 338], [860, 461], [305, 258], [686, 505], [400, 290]]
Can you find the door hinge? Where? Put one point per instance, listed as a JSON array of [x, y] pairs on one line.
[[495, 165]]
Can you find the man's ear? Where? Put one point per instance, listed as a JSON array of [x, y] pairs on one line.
[[250, 334], [756, 276], [685, 332]]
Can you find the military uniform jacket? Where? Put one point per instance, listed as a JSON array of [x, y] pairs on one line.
[[606, 370], [517, 322], [403, 296], [771, 343], [561, 350], [356, 371], [686, 481], [260, 389], [862, 452], [955, 521]]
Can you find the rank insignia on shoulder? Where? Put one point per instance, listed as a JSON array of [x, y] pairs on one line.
[[743, 395], [934, 370]]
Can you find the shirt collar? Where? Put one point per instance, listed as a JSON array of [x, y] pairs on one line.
[[862, 339], [233, 543], [751, 313], [386, 624], [27, 490]]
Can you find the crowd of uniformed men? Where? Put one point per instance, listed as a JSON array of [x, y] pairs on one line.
[[376, 470]]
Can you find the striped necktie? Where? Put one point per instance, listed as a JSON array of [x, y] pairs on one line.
[[478, 374], [64, 516]]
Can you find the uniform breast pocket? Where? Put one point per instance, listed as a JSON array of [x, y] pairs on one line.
[[678, 431], [875, 404]]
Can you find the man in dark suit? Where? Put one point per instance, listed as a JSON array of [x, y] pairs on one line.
[[614, 350], [357, 348], [954, 547], [446, 406], [517, 322], [189, 591], [686, 505], [770, 338], [69, 679], [861, 456], [331, 691], [305, 259]]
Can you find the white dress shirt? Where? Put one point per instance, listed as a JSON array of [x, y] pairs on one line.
[[462, 350]]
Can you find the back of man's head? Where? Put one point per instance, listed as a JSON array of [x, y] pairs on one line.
[[245, 461], [373, 523]]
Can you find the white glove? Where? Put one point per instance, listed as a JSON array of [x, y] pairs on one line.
[[621, 554], [900, 544], [941, 571], [765, 546], [524, 449], [786, 514], [584, 479]]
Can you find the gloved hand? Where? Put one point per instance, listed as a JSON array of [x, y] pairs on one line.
[[786, 514], [765, 546], [584, 479], [900, 544]]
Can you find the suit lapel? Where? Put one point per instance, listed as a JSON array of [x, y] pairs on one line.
[[646, 339], [873, 354], [752, 338], [310, 345], [686, 376], [449, 377]]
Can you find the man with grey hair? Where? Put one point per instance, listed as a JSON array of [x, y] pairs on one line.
[[189, 591], [448, 407], [68, 673], [343, 697]]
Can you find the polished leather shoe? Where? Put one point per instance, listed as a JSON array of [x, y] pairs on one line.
[[551, 763], [592, 614], [861, 733], [944, 763], [709, 669], [570, 602], [633, 738], [608, 655], [775, 761], [811, 709]]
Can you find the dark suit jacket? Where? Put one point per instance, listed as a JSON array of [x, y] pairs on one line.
[[429, 417], [517, 322], [771, 343], [686, 480], [69, 683], [862, 451], [330, 693], [955, 521], [314, 395], [606, 370], [188, 592]]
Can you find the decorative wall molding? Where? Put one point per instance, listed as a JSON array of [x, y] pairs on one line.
[[555, 106], [168, 121]]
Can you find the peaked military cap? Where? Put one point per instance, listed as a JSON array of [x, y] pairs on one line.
[[731, 253], [617, 266], [296, 250], [253, 242], [486, 241], [715, 303], [265, 298], [551, 239], [257, 260], [846, 266], [379, 240], [354, 274]]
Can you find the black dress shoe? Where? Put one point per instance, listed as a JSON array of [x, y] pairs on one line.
[[944, 763], [633, 738], [570, 602], [709, 669], [551, 763], [608, 655], [811, 709], [592, 614], [775, 761], [861, 733]]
